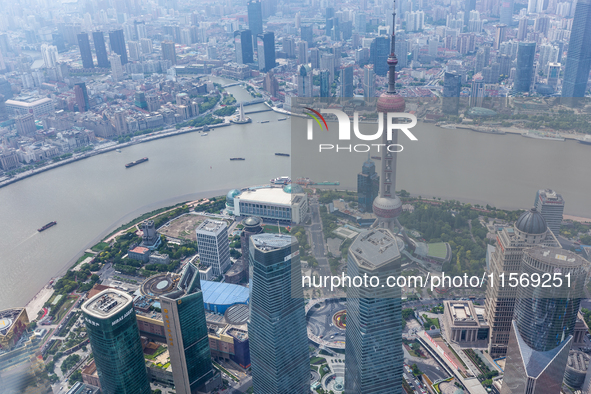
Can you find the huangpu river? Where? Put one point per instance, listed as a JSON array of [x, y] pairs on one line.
[[91, 197]]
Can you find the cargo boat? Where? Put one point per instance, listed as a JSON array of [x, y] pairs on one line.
[[237, 158], [282, 154], [48, 225], [282, 119], [264, 121], [586, 140], [135, 163]]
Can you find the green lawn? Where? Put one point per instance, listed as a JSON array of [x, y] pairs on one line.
[[317, 360], [100, 246], [437, 250]]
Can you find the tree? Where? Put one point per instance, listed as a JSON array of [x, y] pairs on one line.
[[75, 377]]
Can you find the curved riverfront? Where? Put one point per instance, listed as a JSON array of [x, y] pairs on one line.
[[91, 197]]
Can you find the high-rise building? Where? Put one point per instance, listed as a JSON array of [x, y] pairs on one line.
[[477, 92], [529, 230], [255, 17], [368, 185], [543, 321], [303, 52], [522, 29], [307, 34], [271, 84], [578, 57], [452, 85], [168, 51], [25, 124], [100, 48], [369, 82], [327, 62], [146, 44], [469, 5], [85, 52], [315, 58], [81, 94], [378, 54], [360, 22], [214, 248], [305, 87], [188, 344], [373, 351], [243, 46], [50, 55], [415, 20], [324, 83], [289, 47], [551, 205], [553, 74], [117, 41], [346, 81], [135, 50], [266, 51], [501, 31], [116, 68], [525, 66], [114, 337], [329, 20], [506, 12], [277, 326]]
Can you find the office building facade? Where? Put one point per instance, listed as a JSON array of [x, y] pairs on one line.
[[373, 351], [102, 59], [183, 315], [578, 58], [255, 17], [81, 94], [368, 186], [243, 46], [114, 337], [214, 248], [307, 34], [452, 85], [525, 67], [266, 51], [378, 54], [529, 230], [543, 322], [168, 51], [117, 40], [369, 81], [346, 81], [277, 326], [325, 83], [85, 52], [551, 205]]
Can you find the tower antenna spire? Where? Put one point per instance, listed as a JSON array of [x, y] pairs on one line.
[[392, 60]]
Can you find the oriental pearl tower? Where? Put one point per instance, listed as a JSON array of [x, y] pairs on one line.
[[387, 205]]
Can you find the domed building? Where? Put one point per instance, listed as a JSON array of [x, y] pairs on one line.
[[230, 200], [531, 226], [529, 230]]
